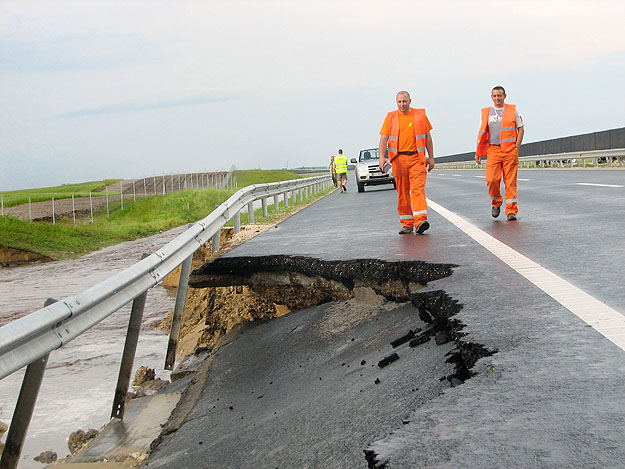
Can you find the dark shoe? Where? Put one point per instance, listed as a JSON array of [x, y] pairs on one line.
[[495, 211], [405, 230], [424, 225], [345, 188], [511, 216]]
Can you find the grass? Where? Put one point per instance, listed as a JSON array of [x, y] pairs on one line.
[[143, 218], [65, 191], [260, 176]]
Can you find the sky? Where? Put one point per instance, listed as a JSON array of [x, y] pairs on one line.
[[92, 90]]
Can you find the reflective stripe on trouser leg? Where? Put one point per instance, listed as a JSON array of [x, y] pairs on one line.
[[402, 182], [510, 168], [493, 173], [418, 176]]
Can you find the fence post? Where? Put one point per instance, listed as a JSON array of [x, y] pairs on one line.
[[30, 211], [24, 409], [73, 209], [128, 355], [106, 190], [163, 184], [2, 199], [91, 206], [53, 214], [181, 295], [121, 194]]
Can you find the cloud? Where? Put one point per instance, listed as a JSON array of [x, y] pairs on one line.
[[144, 104]]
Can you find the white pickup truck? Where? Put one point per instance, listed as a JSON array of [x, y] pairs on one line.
[[368, 170]]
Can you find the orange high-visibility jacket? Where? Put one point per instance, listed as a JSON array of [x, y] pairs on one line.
[[507, 134], [393, 130]]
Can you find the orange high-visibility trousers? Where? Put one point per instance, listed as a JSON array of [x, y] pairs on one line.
[[500, 163], [410, 174]]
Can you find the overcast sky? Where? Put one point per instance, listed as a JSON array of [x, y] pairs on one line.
[[126, 89]]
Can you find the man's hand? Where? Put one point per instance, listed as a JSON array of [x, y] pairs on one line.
[[430, 163], [383, 161], [478, 159]]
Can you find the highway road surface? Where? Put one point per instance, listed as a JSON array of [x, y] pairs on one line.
[[543, 294]]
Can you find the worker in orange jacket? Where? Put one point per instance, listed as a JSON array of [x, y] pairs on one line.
[[499, 139], [405, 136]]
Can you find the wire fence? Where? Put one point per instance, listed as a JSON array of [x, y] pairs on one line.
[[115, 196]]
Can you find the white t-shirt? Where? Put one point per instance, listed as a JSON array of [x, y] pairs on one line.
[[494, 123]]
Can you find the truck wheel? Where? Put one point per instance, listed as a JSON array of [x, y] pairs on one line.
[[361, 187]]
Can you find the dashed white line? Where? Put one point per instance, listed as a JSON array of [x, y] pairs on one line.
[[607, 321], [598, 185]]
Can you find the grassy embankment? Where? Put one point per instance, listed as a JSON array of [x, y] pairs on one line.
[[58, 192], [140, 219]]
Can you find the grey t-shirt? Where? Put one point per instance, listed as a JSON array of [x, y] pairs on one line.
[[494, 124]]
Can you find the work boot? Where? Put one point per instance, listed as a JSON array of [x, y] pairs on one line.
[[495, 211], [511, 216], [345, 188], [405, 230], [424, 225]]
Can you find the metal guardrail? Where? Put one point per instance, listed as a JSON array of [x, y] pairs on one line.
[[569, 158], [29, 340]]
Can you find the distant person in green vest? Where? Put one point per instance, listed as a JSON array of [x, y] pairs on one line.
[[333, 171], [340, 164]]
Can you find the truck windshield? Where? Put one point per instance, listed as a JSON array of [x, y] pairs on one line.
[[366, 155]]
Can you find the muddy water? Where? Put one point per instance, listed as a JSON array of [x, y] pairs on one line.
[[79, 382]]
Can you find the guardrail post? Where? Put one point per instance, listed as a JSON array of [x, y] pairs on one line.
[[181, 295], [24, 409], [237, 222], [263, 201], [276, 203], [285, 196], [216, 241], [128, 355], [250, 213]]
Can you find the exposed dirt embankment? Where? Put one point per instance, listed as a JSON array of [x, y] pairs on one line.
[[11, 256], [225, 292]]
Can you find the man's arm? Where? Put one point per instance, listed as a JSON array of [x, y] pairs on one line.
[[382, 148], [430, 148], [519, 137]]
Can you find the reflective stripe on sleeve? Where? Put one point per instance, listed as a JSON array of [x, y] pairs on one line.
[[420, 136], [393, 138]]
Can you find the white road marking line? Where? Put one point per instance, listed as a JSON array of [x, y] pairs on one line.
[[457, 175], [607, 321], [598, 185], [521, 179], [483, 177]]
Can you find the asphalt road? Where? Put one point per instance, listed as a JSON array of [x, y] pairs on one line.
[[553, 395]]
